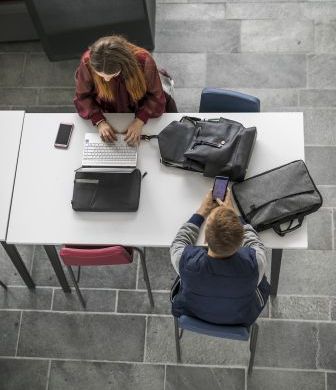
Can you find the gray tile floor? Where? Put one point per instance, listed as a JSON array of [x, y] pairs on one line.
[[284, 53]]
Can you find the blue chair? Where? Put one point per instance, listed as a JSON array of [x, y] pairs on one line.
[[234, 332], [223, 100]]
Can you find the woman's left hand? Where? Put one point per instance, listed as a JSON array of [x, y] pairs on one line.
[[133, 133]]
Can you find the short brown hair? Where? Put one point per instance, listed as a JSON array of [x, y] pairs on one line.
[[223, 231]]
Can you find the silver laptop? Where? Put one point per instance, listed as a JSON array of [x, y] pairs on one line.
[[99, 154]]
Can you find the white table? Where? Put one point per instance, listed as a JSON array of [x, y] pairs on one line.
[[41, 208], [11, 123]]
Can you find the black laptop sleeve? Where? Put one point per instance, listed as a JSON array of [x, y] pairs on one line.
[[106, 191], [284, 195]]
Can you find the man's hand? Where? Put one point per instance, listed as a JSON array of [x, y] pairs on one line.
[[227, 201], [106, 132], [208, 204], [134, 132]]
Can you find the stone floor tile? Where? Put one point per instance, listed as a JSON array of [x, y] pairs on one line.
[[331, 381], [329, 195], [317, 98], [198, 36], [318, 11], [9, 274], [9, 327], [310, 272], [195, 348], [22, 298], [325, 34], [304, 308], [285, 380], [57, 96], [326, 358], [161, 273], [262, 10], [133, 301], [320, 229], [82, 336], [116, 376], [321, 71], [256, 70], [320, 126], [26, 46], [287, 344], [20, 374], [193, 65], [273, 97], [18, 96], [119, 276], [188, 99], [277, 36], [11, 68], [321, 162], [200, 378], [41, 72], [96, 300], [49, 109], [192, 12], [333, 308]]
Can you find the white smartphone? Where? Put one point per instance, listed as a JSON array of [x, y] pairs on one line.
[[63, 135]]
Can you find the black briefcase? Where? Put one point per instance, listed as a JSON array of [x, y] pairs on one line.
[[106, 191], [284, 195]]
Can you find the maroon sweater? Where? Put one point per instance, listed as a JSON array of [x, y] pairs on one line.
[[90, 106]]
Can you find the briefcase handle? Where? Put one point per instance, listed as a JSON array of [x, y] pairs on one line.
[[278, 230]]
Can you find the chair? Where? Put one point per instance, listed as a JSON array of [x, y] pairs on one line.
[[234, 332], [111, 255], [223, 100]]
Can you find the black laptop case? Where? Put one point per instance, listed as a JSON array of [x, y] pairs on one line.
[[106, 191], [284, 195]]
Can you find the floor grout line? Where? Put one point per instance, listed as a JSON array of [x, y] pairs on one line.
[[52, 299], [165, 377], [116, 301], [325, 381], [18, 338], [48, 375]]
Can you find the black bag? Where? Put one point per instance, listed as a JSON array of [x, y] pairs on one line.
[[106, 191], [214, 146], [281, 195]]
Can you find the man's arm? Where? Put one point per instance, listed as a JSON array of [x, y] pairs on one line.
[[187, 235], [252, 240]]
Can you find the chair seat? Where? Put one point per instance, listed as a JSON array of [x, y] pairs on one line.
[[93, 256], [234, 332]]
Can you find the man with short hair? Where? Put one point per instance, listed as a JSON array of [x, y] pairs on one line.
[[224, 283]]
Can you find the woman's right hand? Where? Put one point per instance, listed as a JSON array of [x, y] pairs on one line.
[[106, 132]]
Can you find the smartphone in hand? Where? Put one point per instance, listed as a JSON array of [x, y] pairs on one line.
[[220, 187]]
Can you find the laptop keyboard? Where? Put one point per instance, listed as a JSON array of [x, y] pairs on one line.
[[115, 154]]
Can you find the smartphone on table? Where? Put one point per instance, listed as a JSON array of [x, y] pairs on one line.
[[63, 135], [220, 187]]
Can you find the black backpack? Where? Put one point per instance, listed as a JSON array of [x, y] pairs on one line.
[[214, 146]]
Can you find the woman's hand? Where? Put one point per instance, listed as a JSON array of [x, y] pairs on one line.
[[133, 132], [106, 132]]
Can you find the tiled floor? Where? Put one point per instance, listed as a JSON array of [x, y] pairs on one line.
[[283, 52]]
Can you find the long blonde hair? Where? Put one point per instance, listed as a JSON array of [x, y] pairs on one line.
[[110, 55]]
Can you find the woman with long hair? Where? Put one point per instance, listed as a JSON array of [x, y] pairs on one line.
[[117, 76]]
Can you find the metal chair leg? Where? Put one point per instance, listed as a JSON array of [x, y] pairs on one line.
[[3, 285], [177, 340], [253, 345], [145, 274], [78, 291]]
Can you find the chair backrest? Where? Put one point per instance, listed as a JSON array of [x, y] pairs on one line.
[[233, 332], [79, 255], [222, 100]]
